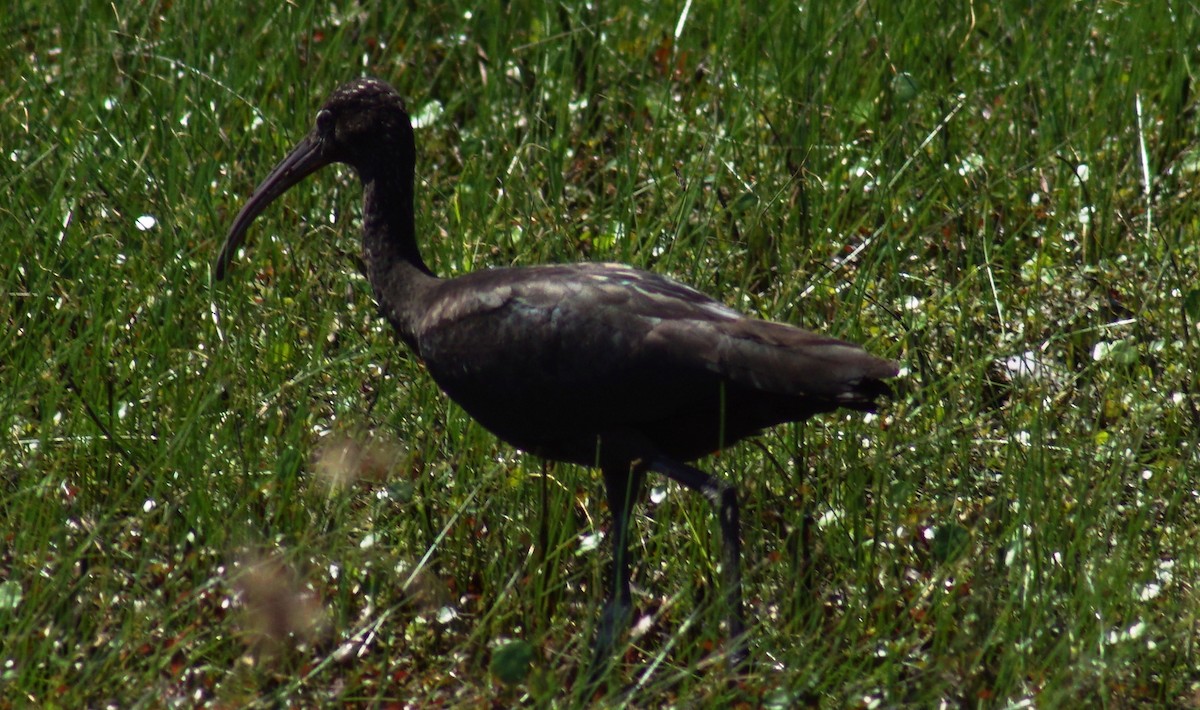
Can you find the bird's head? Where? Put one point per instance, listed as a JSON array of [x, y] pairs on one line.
[[363, 123]]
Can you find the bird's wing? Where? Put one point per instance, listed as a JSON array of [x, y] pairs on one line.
[[688, 329], [773, 357], [614, 321]]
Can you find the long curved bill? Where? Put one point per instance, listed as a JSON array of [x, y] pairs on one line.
[[305, 159]]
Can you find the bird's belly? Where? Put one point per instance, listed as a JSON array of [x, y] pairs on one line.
[[549, 417], [684, 417]]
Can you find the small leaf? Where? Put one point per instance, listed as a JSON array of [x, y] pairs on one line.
[[512, 661], [743, 202], [905, 87], [1122, 352], [1191, 304], [10, 595], [949, 542]]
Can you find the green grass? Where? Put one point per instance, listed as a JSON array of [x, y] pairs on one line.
[[1002, 197]]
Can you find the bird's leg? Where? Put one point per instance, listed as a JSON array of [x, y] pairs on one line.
[[622, 484], [724, 498]]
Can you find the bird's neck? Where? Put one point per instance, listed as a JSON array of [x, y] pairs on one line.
[[398, 275]]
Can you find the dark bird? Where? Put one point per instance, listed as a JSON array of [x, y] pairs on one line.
[[592, 364]]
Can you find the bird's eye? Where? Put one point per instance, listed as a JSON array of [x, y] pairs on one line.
[[324, 120]]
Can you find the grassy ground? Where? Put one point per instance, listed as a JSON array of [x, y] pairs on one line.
[[1003, 197]]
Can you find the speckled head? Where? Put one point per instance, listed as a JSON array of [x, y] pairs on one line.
[[364, 124], [358, 119]]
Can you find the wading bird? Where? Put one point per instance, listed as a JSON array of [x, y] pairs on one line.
[[592, 364]]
